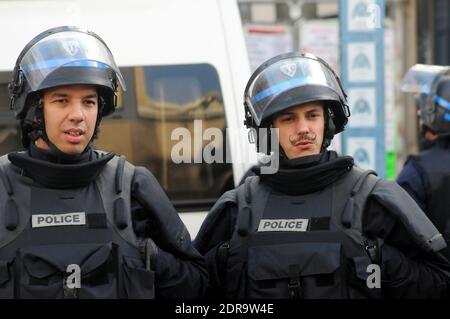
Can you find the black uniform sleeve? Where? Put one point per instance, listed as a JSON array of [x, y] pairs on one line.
[[216, 231], [415, 183], [406, 270], [180, 270]]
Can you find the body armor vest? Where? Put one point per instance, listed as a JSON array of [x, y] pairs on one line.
[[70, 243], [433, 163], [312, 246], [307, 246]]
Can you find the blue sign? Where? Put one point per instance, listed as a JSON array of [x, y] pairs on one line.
[[362, 70]]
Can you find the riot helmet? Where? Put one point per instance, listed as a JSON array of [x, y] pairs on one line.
[[61, 56], [431, 85], [292, 79]]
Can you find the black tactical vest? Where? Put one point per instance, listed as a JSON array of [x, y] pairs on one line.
[[434, 163], [308, 246], [45, 233]]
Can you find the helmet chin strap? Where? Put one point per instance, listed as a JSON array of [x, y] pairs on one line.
[[38, 130], [330, 129]]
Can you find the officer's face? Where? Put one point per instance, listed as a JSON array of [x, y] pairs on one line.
[[70, 114], [301, 129]]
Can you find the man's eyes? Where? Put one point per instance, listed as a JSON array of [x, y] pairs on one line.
[[65, 101], [308, 115], [91, 102], [60, 101]]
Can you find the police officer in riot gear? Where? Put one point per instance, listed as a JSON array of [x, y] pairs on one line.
[[68, 206], [319, 226], [426, 176]]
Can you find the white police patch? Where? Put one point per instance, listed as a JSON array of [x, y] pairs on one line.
[[289, 68], [283, 225], [49, 220]]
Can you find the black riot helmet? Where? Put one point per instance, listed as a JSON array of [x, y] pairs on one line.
[[57, 57], [431, 84], [292, 79]]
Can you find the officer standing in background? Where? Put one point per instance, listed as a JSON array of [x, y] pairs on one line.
[[68, 206], [316, 227], [426, 176]]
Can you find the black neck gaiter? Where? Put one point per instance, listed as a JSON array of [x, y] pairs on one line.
[[45, 155], [61, 172], [307, 174]]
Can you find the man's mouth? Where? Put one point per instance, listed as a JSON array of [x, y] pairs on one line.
[[74, 135], [74, 132], [303, 143]]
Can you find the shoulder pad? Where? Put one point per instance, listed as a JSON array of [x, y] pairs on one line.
[[210, 223], [228, 197], [405, 209]]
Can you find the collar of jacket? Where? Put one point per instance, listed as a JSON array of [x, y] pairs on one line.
[[308, 174], [60, 176], [61, 158]]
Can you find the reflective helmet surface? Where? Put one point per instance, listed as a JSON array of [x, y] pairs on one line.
[[292, 79], [431, 84], [64, 56]]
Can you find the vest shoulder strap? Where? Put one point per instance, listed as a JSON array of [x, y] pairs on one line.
[[349, 200], [357, 190], [359, 185], [10, 219], [118, 172], [114, 184], [4, 163], [252, 197]]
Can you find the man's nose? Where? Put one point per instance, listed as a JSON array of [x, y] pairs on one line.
[[76, 111], [302, 126]]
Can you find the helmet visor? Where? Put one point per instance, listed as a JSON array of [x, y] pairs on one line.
[[285, 75], [420, 78], [66, 49]]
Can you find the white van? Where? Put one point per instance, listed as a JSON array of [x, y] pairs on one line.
[[182, 60]]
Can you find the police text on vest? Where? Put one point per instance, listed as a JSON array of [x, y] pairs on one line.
[[49, 220], [283, 225]]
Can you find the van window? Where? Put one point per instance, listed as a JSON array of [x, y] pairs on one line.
[[161, 100], [158, 100]]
